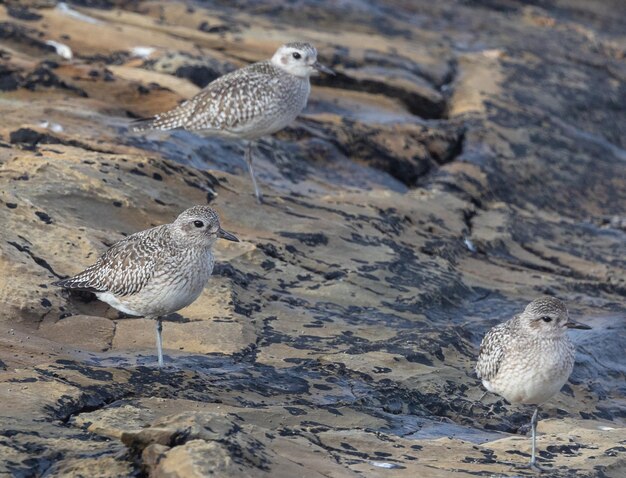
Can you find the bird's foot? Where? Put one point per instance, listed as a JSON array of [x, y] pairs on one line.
[[532, 466]]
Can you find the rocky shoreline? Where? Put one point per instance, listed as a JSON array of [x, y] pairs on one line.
[[467, 158]]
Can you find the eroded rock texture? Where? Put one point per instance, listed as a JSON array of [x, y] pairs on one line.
[[468, 157]]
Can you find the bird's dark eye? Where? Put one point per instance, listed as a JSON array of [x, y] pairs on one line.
[[296, 55], [545, 318], [198, 223]]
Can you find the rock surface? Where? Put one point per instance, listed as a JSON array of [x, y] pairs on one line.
[[468, 157]]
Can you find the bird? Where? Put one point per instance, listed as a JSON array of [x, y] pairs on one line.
[[249, 103], [529, 358], [157, 271]]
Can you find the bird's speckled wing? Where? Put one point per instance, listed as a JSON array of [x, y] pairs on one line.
[[492, 350], [125, 268], [226, 104]]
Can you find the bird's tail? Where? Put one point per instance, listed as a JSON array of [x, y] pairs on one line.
[[143, 124], [76, 283], [173, 119], [64, 282]]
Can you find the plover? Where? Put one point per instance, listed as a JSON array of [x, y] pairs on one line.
[[249, 103], [530, 357], [158, 271]]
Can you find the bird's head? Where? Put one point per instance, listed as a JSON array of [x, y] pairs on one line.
[[299, 59], [548, 317], [200, 226]]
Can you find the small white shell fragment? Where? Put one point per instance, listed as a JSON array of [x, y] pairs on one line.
[[384, 464], [62, 50], [142, 51], [469, 244]]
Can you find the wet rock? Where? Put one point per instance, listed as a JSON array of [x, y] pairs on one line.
[[200, 444], [198, 75], [22, 13], [9, 79], [23, 37], [197, 69], [88, 333], [30, 137], [43, 76], [420, 97]]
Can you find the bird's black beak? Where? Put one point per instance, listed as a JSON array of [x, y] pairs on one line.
[[572, 324], [324, 69], [227, 235]]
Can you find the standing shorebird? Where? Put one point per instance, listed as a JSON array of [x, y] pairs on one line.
[[249, 103], [158, 271], [530, 357]]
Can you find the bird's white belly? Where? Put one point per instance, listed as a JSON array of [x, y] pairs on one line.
[[167, 292], [266, 126], [117, 303], [175, 297], [535, 390], [533, 382]]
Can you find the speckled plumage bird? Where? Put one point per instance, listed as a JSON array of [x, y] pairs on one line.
[[249, 103], [158, 271], [529, 358]]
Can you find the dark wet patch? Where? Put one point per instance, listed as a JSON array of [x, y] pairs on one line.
[[240, 278], [102, 4], [30, 139], [23, 380], [23, 13], [10, 79], [309, 239], [199, 75], [44, 77], [23, 37], [43, 217], [38, 260], [615, 451], [570, 450]]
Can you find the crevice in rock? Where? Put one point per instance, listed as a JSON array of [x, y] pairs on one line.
[[407, 152], [38, 260], [560, 268], [433, 107], [30, 139], [468, 215], [89, 405], [449, 79]]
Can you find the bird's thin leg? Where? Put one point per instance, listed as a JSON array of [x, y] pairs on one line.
[[533, 426], [159, 340], [533, 454], [248, 156]]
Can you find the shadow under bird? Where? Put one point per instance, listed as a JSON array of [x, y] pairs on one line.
[[158, 271], [248, 103], [529, 358]]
